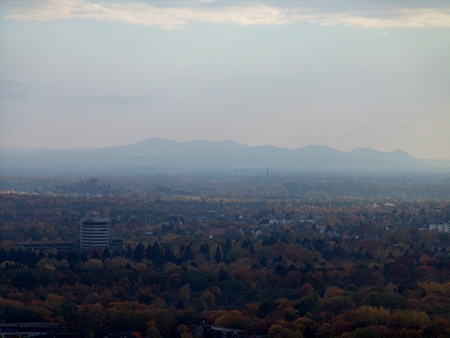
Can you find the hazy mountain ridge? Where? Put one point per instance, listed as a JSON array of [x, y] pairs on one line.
[[202, 154]]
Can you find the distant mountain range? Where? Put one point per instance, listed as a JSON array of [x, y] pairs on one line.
[[158, 153]]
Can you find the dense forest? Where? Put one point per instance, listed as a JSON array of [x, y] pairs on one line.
[[334, 267]]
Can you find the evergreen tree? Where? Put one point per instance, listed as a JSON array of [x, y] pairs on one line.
[[139, 252], [218, 256], [223, 276], [246, 243], [72, 257], [61, 255], [204, 248], [106, 253], [169, 255], [3, 255], [96, 255], [188, 254], [227, 248], [148, 252], [155, 254], [129, 252], [251, 250]]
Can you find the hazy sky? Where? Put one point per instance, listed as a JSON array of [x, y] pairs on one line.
[[345, 74]]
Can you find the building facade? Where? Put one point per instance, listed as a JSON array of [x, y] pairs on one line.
[[94, 232], [440, 227], [49, 246]]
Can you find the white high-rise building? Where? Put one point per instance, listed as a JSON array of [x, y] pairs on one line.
[[94, 232], [440, 227]]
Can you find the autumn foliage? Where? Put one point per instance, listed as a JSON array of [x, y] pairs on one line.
[[286, 281]]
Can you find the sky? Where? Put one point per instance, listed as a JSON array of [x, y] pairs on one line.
[[344, 74]]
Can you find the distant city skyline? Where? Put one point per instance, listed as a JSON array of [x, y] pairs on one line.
[[344, 74]]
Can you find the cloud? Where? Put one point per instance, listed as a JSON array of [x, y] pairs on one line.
[[175, 14], [112, 99]]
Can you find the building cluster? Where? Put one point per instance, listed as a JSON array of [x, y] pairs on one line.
[[94, 232], [90, 188]]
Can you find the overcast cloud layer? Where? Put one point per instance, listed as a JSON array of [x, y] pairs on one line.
[[177, 14], [345, 74]]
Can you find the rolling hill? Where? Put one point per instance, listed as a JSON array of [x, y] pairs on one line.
[[158, 153]]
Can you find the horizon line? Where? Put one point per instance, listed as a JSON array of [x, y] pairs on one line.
[[221, 141]]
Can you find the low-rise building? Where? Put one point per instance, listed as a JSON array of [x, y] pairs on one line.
[[26, 329], [49, 246]]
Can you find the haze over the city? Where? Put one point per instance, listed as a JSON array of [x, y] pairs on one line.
[[344, 74]]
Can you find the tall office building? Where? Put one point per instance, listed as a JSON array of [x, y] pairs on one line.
[[94, 232]]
